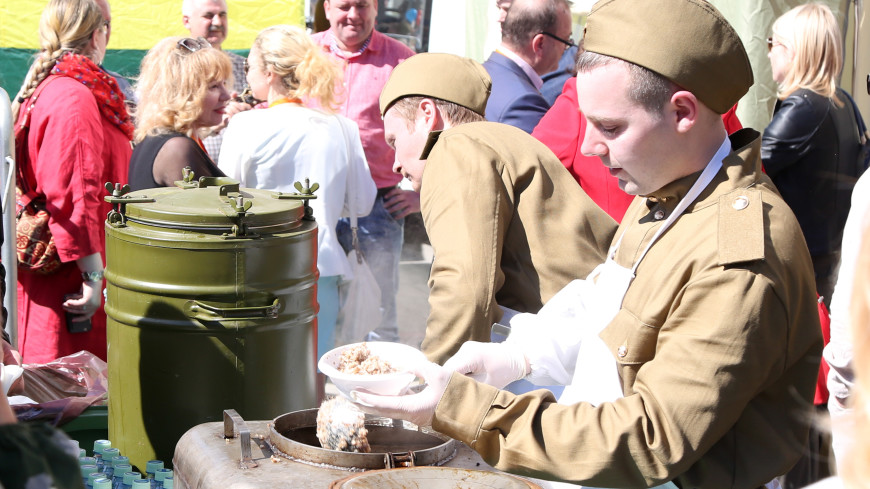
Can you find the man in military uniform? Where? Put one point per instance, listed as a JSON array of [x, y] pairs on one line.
[[705, 312], [497, 204]]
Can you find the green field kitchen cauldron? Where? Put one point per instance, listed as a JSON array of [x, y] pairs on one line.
[[211, 304]]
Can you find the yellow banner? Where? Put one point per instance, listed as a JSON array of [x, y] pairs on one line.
[[139, 25]]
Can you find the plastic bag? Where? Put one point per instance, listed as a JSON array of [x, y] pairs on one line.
[[63, 388], [361, 303]]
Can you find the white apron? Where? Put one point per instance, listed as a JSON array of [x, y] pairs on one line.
[[596, 377]]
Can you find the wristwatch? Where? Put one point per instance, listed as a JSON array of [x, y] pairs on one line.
[[93, 276]]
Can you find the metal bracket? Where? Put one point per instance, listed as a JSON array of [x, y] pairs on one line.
[[118, 198], [233, 422], [305, 193], [404, 459]]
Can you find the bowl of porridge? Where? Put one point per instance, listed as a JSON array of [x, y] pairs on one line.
[[381, 367]]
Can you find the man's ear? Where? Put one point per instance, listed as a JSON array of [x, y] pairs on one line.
[[185, 20], [538, 44], [428, 112], [686, 110]]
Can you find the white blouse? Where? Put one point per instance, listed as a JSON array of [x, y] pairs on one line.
[[275, 147]]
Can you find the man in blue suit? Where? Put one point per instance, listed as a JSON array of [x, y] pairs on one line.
[[534, 35]]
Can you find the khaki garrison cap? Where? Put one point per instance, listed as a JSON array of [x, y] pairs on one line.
[[687, 41], [438, 75]]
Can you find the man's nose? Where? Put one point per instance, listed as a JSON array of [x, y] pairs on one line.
[[397, 167], [217, 21], [592, 144]]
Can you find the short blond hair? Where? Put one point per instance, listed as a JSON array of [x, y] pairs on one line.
[[172, 84], [813, 35], [451, 112], [66, 26], [305, 70]]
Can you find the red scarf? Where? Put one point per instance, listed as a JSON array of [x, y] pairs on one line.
[[109, 97]]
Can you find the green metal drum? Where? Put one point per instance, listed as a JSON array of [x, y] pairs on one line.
[[211, 304]]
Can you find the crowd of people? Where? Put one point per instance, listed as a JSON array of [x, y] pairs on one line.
[[673, 287]]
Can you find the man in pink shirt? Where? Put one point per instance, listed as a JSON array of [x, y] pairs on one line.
[[368, 58]]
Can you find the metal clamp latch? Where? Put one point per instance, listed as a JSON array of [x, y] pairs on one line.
[[404, 459], [233, 422], [119, 201], [305, 193]]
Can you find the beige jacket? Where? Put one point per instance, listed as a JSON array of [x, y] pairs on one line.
[[718, 345], [509, 226]]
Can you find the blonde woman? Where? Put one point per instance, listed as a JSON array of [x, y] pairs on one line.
[[182, 90], [273, 148], [810, 147], [79, 139]]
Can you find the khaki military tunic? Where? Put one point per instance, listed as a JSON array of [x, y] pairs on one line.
[[508, 225], [717, 343]]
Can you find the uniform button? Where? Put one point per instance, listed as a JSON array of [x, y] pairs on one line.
[[621, 351], [740, 203], [659, 215]]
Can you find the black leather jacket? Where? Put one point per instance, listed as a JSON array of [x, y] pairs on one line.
[[809, 150]]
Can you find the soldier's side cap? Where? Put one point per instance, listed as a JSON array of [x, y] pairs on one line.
[[444, 76], [687, 41]]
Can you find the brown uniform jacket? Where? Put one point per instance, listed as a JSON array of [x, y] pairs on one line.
[[717, 343], [508, 225]]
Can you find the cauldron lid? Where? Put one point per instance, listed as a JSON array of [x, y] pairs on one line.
[[217, 203], [432, 478]]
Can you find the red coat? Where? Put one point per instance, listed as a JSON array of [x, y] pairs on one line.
[[561, 130], [73, 152]]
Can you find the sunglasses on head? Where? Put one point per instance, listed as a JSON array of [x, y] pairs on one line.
[[193, 45]]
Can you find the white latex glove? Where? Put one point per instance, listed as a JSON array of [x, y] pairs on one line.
[[417, 408], [496, 364], [9, 374]]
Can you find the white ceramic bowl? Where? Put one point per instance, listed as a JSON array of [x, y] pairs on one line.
[[401, 357]]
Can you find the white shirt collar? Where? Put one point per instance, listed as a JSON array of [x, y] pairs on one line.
[[536, 79]]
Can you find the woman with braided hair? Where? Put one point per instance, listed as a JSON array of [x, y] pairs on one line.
[[290, 141], [79, 139]]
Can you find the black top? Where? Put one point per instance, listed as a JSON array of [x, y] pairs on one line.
[[150, 167], [810, 151]]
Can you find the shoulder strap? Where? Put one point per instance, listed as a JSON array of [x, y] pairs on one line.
[[21, 129], [350, 194], [24, 118]]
